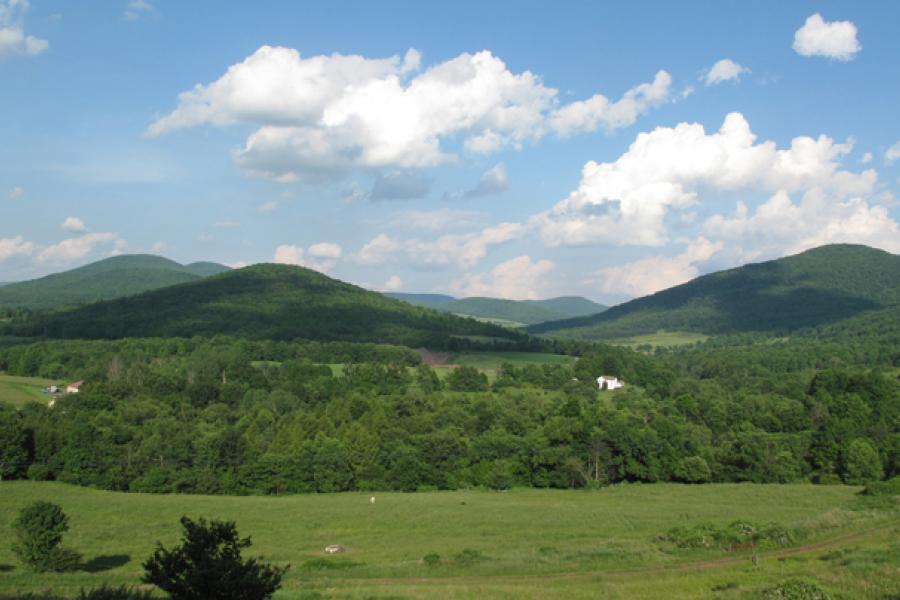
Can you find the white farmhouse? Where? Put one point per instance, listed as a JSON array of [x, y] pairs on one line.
[[609, 382]]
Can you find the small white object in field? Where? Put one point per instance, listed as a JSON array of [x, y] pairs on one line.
[[372, 500], [334, 549]]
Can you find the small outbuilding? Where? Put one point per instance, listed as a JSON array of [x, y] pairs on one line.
[[609, 382], [74, 387]]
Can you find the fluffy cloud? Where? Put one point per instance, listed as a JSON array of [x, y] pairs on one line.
[[16, 193], [73, 249], [463, 250], [835, 39], [892, 154], [494, 181], [16, 246], [725, 70], [393, 284], [320, 257], [779, 226], [867, 157], [517, 279], [138, 10], [655, 273], [73, 224], [321, 116], [597, 111], [13, 39], [626, 202], [400, 185]]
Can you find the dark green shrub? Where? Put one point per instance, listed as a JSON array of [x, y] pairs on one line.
[[432, 560], [39, 531], [693, 469], [500, 476], [114, 593], [469, 557], [321, 563], [208, 566], [891, 487]]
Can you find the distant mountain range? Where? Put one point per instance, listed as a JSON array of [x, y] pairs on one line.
[[266, 301], [510, 312], [817, 287], [104, 280]]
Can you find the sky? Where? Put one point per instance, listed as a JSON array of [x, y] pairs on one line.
[[519, 150]]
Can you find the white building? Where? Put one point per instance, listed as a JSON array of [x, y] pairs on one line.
[[609, 382]]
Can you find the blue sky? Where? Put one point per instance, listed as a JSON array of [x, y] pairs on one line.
[[516, 150]]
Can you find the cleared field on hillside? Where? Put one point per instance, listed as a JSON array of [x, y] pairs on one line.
[[660, 338], [20, 390], [493, 360], [518, 544]]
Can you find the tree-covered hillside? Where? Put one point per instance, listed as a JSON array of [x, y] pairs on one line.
[[103, 280], [527, 312], [268, 301], [819, 286]]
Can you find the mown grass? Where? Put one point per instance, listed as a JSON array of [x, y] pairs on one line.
[[661, 338], [518, 544], [18, 391]]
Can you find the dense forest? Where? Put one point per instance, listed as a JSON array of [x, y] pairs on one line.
[[233, 416], [266, 301]]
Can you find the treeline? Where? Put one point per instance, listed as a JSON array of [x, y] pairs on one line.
[[237, 417]]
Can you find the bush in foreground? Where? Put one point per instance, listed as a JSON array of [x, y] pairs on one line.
[[208, 566], [39, 531]]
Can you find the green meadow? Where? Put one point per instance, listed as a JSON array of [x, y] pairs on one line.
[[608, 543], [662, 338], [20, 390]]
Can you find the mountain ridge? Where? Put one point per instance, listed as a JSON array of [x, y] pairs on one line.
[[815, 287]]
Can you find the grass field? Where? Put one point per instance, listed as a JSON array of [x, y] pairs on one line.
[[660, 338], [522, 543], [20, 390]]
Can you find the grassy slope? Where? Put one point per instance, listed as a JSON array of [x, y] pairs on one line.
[[266, 302], [103, 280], [18, 391], [817, 287], [538, 543]]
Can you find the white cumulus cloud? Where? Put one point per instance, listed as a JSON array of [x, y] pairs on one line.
[[318, 117], [319, 257], [73, 224], [831, 39], [72, 249], [16, 246], [725, 70], [393, 284], [520, 278], [13, 39], [625, 202], [892, 154], [138, 10], [655, 273], [494, 181], [461, 249]]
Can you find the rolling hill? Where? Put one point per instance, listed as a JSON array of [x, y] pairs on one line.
[[525, 312], [817, 287], [265, 301], [104, 280]]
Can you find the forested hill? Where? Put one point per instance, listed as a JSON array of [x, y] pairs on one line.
[[526, 312], [266, 301], [103, 280], [817, 287]]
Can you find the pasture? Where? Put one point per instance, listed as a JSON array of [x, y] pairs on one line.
[[661, 338], [18, 391], [523, 543]]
